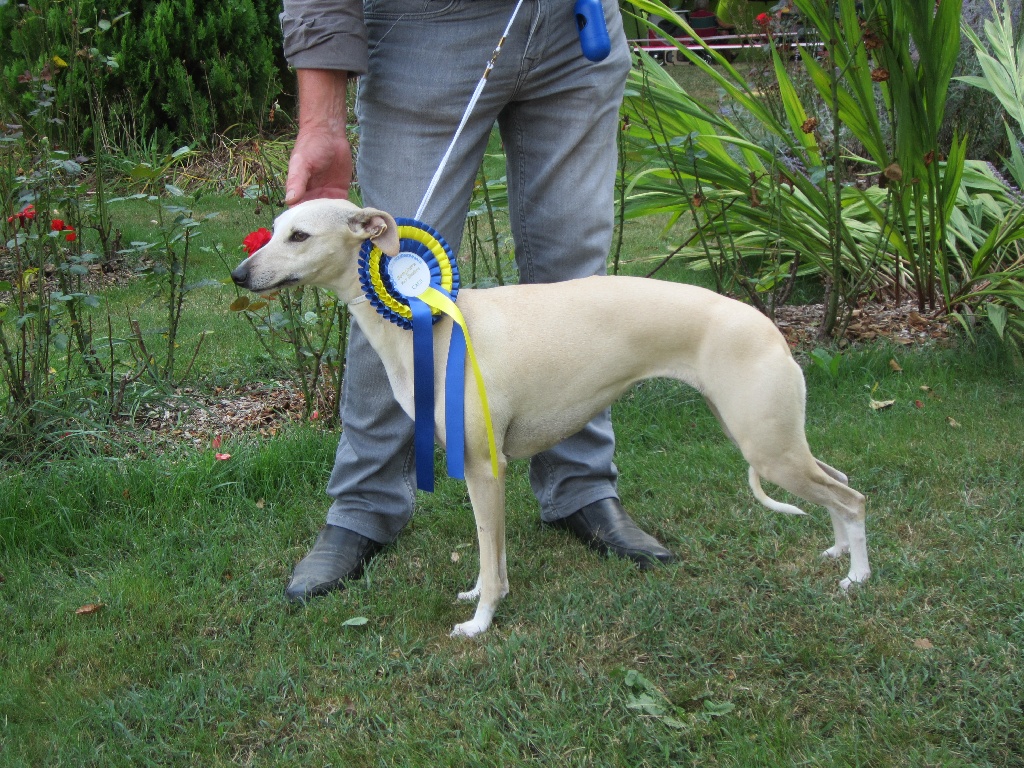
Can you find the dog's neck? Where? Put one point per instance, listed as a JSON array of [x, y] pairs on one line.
[[391, 343]]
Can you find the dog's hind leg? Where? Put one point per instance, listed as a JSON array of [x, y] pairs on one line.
[[832, 472], [487, 495], [802, 476], [768, 428]]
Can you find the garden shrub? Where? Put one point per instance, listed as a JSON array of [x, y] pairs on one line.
[[168, 71]]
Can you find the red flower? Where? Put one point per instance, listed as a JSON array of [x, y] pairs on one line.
[[58, 225], [763, 19], [256, 240], [24, 216]]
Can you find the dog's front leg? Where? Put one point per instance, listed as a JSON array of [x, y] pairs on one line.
[[487, 494]]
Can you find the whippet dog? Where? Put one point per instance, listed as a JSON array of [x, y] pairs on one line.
[[554, 355]]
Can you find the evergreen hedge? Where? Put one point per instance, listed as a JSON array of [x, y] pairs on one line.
[[159, 71]]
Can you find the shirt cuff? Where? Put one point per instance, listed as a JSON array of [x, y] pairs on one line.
[[334, 42]]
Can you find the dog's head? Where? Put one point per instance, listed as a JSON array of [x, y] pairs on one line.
[[316, 243]]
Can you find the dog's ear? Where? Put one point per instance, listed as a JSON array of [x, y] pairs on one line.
[[378, 226]]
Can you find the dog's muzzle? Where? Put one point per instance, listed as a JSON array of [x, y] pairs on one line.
[[240, 274]]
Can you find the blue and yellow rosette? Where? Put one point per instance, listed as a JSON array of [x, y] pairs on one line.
[[413, 290]]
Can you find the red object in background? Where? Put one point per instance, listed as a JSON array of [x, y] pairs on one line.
[[704, 23], [24, 216], [58, 225], [256, 240]]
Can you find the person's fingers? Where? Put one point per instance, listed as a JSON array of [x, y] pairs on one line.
[[295, 185]]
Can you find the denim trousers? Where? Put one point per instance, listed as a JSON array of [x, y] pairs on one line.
[[557, 114]]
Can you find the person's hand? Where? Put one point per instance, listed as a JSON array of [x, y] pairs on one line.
[[320, 165], [321, 161]]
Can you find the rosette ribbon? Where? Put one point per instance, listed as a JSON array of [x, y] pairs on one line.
[[413, 290]]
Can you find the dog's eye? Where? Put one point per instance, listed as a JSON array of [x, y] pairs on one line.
[[298, 237]]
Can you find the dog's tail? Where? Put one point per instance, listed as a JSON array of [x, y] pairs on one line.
[[760, 495]]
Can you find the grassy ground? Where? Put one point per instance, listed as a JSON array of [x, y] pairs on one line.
[[743, 653]]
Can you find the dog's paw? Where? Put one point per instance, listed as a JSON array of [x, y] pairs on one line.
[[470, 628], [835, 552], [473, 594], [854, 579]]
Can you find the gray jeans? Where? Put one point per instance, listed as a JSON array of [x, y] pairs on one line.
[[558, 117]]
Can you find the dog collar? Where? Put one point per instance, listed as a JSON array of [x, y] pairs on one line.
[[412, 290]]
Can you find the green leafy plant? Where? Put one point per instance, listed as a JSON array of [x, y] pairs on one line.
[[68, 365], [779, 191], [907, 51], [829, 363], [165, 263], [133, 68], [762, 185], [1003, 76], [646, 699], [47, 334], [987, 228]]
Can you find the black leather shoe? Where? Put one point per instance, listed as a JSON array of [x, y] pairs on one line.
[[337, 556], [605, 526]]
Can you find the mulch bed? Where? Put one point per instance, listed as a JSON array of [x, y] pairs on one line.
[[199, 417], [900, 324]]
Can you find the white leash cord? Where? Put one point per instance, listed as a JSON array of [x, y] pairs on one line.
[[465, 116]]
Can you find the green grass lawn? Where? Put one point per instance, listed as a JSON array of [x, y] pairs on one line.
[[747, 652]]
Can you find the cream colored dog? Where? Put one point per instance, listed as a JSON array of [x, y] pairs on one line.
[[554, 355]]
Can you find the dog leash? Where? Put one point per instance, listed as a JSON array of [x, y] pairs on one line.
[[469, 111]]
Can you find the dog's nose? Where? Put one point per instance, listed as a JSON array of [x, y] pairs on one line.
[[240, 274]]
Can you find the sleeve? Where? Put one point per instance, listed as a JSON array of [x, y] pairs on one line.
[[325, 34]]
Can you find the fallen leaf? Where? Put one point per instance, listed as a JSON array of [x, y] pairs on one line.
[[893, 172], [215, 443], [456, 557], [126, 494], [85, 610], [895, 366], [261, 504], [918, 404], [923, 643], [952, 422], [355, 621], [878, 405]]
